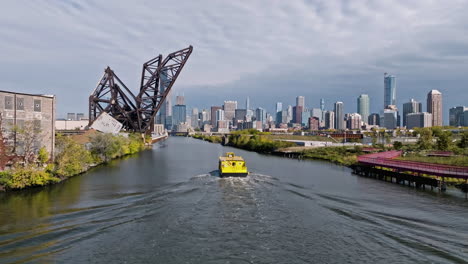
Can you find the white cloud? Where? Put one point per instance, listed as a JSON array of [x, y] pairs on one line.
[[253, 46]]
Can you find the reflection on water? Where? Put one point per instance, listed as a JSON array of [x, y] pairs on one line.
[[169, 205]]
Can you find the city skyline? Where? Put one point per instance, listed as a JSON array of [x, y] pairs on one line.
[[315, 49]]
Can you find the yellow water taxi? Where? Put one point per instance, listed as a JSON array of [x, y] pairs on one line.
[[232, 165]]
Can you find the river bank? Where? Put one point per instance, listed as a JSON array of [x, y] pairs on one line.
[[260, 143], [75, 155]]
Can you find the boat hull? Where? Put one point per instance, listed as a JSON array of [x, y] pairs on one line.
[[234, 174]]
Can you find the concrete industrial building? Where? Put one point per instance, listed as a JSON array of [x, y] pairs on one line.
[[19, 109]]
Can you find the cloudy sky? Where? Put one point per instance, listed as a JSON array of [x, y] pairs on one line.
[[270, 50]]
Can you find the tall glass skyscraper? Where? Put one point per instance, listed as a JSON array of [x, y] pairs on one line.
[[363, 107], [322, 104], [339, 116], [389, 90]]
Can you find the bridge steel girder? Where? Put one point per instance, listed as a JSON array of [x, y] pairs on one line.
[[113, 97], [137, 113], [151, 96]]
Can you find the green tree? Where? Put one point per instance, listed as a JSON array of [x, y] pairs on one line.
[[43, 155], [71, 158], [106, 146], [425, 138], [444, 140], [397, 145], [463, 140]]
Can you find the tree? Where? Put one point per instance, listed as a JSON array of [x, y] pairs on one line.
[[444, 140], [71, 158], [397, 145], [463, 140], [28, 138], [3, 147], [425, 138], [106, 146], [43, 155]]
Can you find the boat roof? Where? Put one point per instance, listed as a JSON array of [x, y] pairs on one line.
[[236, 158]]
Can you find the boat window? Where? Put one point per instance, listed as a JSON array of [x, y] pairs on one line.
[[233, 164]]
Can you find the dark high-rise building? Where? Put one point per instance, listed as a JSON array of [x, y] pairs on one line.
[[389, 90], [179, 114], [297, 114], [329, 120], [240, 114], [213, 114], [411, 107], [456, 116], [339, 116], [374, 119]]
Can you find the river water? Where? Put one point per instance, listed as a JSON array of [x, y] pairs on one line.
[[167, 205]]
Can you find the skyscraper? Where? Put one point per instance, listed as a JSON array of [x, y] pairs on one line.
[[279, 107], [339, 116], [329, 120], [260, 115], [374, 119], [418, 120], [247, 103], [322, 104], [389, 90], [229, 110], [412, 106], [219, 115], [289, 113], [363, 107], [297, 114], [195, 118], [300, 101], [390, 118], [353, 121], [180, 100], [456, 116], [434, 106], [213, 115], [179, 114]]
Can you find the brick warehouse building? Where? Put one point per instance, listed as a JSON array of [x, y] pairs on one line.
[[18, 108]]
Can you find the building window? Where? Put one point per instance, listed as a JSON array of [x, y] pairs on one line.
[[37, 105], [9, 102], [19, 103]]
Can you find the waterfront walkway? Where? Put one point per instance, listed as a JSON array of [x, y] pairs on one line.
[[386, 159]]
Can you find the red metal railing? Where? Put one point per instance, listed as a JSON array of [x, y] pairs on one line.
[[384, 159]]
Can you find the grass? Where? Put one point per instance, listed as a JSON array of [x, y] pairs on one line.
[[297, 137], [455, 160], [340, 155]]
